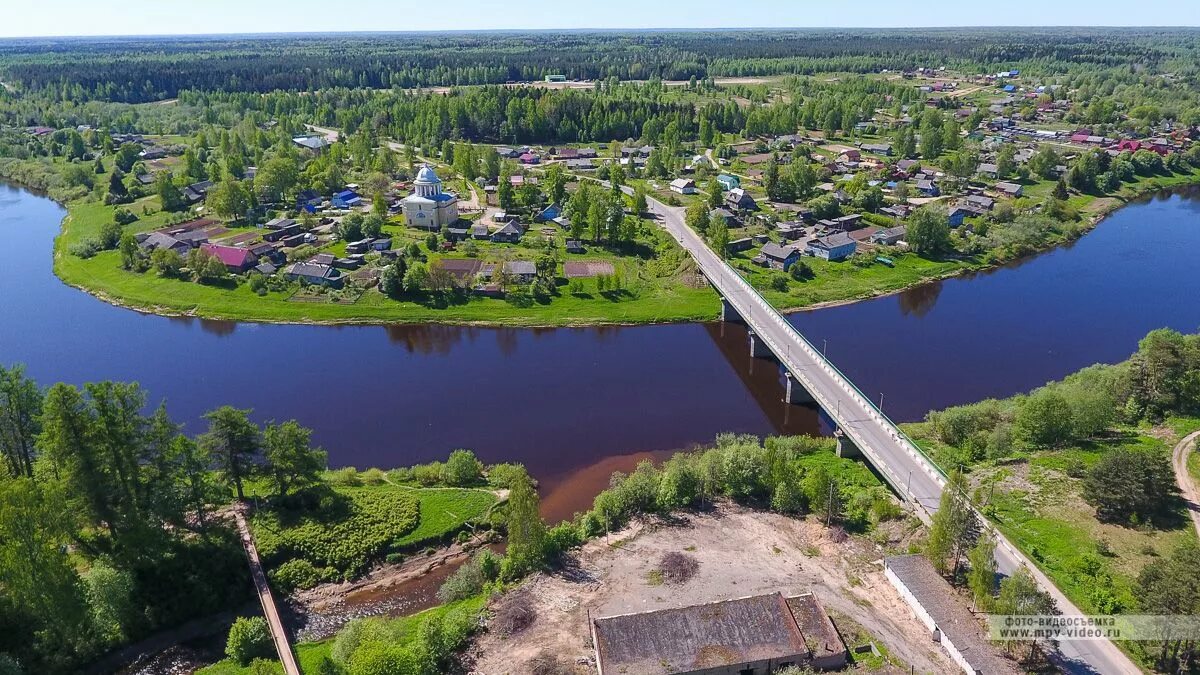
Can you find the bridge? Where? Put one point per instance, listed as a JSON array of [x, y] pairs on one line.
[[861, 427]]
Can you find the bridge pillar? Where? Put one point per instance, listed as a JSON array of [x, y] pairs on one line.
[[758, 348], [795, 392], [728, 313], [845, 447]]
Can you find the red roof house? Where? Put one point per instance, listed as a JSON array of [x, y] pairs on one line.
[[235, 259]]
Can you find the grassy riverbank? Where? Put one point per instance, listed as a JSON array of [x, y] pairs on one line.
[[648, 295]]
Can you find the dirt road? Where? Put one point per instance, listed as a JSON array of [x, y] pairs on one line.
[[1187, 486]]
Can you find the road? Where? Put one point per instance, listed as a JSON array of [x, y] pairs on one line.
[[278, 633], [1183, 478], [902, 464]]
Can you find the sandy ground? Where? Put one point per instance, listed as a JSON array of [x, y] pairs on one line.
[[740, 552]]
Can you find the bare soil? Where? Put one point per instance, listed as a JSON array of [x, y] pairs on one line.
[[738, 552]]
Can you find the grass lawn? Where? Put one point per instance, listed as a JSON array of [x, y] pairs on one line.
[[311, 654], [347, 529]]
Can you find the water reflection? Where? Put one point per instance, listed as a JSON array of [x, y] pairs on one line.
[[919, 300]]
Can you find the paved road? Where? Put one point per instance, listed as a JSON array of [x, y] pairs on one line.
[[278, 634], [903, 465]]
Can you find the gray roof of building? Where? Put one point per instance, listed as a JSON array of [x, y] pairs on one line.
[[773, 250], [948, 611], [694, 638], [834, 240]]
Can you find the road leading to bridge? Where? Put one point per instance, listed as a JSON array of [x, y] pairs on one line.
[[913, 475]]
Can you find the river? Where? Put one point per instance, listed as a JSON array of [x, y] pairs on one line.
[[574, 404]]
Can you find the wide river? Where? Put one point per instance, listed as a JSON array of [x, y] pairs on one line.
[[575, 404]]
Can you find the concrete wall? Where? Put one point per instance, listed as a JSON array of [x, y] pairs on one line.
[[923, 616]]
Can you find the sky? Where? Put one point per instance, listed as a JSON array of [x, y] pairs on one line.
[[27, 18]]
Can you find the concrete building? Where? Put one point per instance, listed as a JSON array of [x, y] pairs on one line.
[[755, 635], [935, 604], [428, 207]]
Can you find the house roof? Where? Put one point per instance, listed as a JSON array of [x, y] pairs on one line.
[[777, 252], [312, 270], [520, 267], [700, 637], [231, 256], [835, 240]]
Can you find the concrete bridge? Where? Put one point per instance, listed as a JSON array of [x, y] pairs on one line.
[[861, 427]]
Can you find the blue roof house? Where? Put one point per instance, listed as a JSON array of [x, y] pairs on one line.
[[549, 213], [729, 182], [957, 216], [346, 199]]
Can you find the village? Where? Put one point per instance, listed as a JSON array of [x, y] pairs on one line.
[[1013, 148]]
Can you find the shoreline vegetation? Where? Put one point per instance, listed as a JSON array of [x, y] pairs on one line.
[[700, 308]]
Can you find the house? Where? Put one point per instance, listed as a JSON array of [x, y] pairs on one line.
[[480, 231], [897, 210], [935, 604], [878, 148], [928, 188], [346, 199], [549, 213], [726, 215], [264, 251], [360, 246], [522, 270], [575, 246], [235, 259], [308, 200], [529, 158], [754, 635], [314, 273], [907, 165], [738, 198], [1010, 189], [988, 170], [739, 245], [282, 233], [836, 246], [456, 233], [266, 268], [848, 223], [980, 202], [957, 215], [728, 182], [159, 240], [581, 164], [509, 234], [779, 257], [312, 143], [507, 153], [889, 237], [684, 186], [279, 223], [464, 270]]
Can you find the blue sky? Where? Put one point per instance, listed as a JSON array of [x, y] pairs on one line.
[[141, 17]]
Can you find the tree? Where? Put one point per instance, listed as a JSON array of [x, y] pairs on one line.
[[697, 217], [249, 638], [718, 235], [1044, 419], [905, 143], [229, 199], [166, 262], [290, 459], [526, 531], [953, 529], [822, 492], [1170, 586], [1060, 190], [277, 179], [169, 195], [234, 442], [1131, 485], [416, 278], [117, 192], [391, 280], [981, 578], [556, 184], [505, 193], [640, 203], [715, 195], [126, 157], [462, 469], [20, 409], [1020, 596], [131, 254], [928, 231]]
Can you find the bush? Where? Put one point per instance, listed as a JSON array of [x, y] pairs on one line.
[[124, 217], [347, 476], [428, 474], [85, 248], [504, 475], [678, 568], [462, 469], [298, 574], [249, 638], [469, 579]]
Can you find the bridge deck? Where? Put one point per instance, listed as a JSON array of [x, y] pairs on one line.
[[278, 633], [913, 475]]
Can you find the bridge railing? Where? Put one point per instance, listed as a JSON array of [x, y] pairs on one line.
[[843, 381]]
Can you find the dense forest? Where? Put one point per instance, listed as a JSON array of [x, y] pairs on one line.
[[146, 69]]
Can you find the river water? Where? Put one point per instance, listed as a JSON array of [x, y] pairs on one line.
[[574, 404]]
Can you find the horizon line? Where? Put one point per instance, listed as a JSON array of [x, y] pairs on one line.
[[661, 29]]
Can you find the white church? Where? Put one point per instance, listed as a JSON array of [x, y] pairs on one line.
[[428, 207]]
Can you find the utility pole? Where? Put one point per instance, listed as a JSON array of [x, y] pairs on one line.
[[881, 401]]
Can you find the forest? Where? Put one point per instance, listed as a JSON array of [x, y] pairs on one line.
[[136, 70]]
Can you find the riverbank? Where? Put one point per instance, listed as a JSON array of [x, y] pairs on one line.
[[675, 298]]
